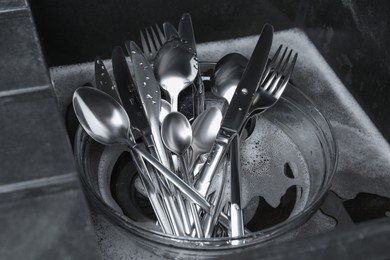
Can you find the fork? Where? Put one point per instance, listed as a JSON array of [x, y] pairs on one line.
[[274, 82], [151, 44]]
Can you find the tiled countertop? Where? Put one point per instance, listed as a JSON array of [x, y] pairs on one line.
[[43, 213]]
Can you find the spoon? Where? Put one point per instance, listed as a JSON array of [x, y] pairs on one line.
[[227, 74], [177, 137], [105, 120], [205, 129], [165, 109], [176, 134], [176, 68]]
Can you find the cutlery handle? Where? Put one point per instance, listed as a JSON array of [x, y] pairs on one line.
[[218, 151], [199, 97], [152, 194], [179, 183], [237, 225]]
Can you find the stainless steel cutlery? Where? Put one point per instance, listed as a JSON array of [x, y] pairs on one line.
[[171, 148]]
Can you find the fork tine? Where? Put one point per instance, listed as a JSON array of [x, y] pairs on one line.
[[287, 78], [161, 35], [277, 68], [155, 38], [285, 63], [151, 44], [270, 80], [280, 70], [271, 63], [144, 44]]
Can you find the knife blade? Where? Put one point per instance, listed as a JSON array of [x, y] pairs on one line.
[[132, 106], [103, 80], [128, 92], [170, 31], [186, 32], [150, 96], [238, 109]]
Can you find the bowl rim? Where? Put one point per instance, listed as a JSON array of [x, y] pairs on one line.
[[258, 237]]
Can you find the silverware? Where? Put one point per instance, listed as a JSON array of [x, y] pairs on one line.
[[176, 133], [204, 129], [176, 68], [267, 95], [150, 96], [274, 84], [227, 74], [238, 109], [153, 43], [130, 102], [236, 216], [103, 80], [186, 32], [170, 31], [105, 120]]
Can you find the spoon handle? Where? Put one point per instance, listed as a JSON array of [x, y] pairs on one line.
[[152, 194], [179, 183]]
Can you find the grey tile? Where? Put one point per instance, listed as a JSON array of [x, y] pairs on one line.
[[21, 62], [12, 4], [52, 226], [33, 139]]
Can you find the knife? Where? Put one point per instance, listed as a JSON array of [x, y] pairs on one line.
[[103, 80], [170, 31], [186, 32], [150, 97], [238, 109], [130, 102]]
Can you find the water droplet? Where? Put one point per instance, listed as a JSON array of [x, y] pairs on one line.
[[244, 91], [98, 61], [102, 74], [147, 78], [141, 64], [144, 84], [103, 68], [113, 87], [146, 67], [240, 108], [153, 102], [101, 82], [149, 96], [156, 91], [133, 52]]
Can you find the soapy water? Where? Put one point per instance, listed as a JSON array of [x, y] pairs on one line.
[[264, 156]]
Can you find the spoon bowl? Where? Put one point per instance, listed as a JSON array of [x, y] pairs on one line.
[[102, 117], [176, 133], [227, 74], [205, 129], [176, 67]]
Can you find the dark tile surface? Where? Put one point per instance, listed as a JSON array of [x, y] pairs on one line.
[[21, 62], [33, 139], [51, 226]]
